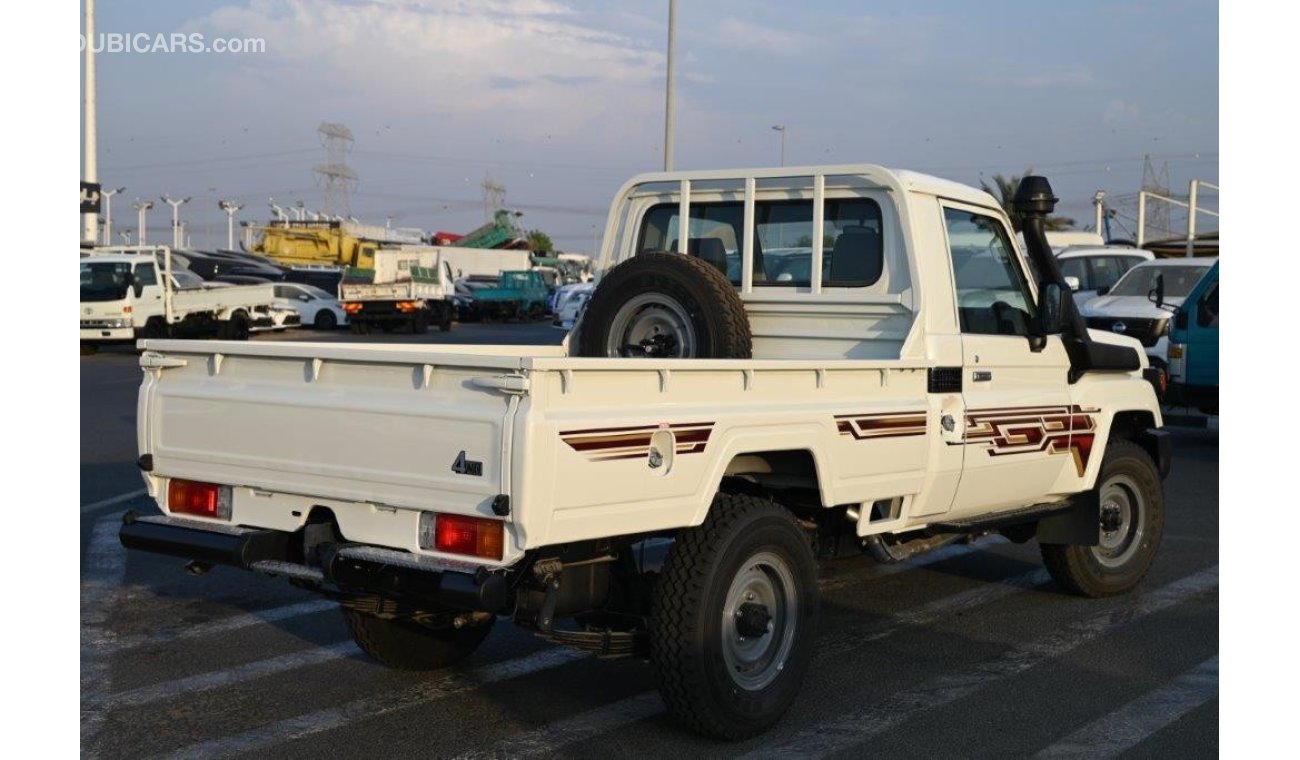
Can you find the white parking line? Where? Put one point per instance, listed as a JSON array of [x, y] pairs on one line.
[[103, 571], [860, 725], [548, 739], [221, 625], [119, 499], [335, 717], [1136, 721], [219, 678]]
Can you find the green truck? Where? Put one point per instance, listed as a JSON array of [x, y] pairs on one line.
[[518, 294]]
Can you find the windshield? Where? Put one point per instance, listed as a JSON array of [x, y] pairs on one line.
[[1179, 280], [104, 280]]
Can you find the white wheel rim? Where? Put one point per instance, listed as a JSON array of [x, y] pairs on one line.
[[756, 645], [652, 324], [1123, 522]]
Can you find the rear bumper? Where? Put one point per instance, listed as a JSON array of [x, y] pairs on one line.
[[351, 568]]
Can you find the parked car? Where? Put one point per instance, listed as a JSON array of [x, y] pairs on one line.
[[1096, 268], [570, 306], [315, 306], [240, 279], [1127, 308]]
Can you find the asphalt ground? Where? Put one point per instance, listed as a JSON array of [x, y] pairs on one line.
[[969, 652]]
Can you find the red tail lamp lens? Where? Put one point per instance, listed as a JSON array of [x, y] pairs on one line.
[[470, 536], [203, 499]]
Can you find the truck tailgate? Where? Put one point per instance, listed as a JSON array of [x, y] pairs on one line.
[[382, 425]]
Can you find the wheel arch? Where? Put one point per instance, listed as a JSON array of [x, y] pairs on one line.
[[752, 466]]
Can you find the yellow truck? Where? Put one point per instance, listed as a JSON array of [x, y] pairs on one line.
[[328, 242]]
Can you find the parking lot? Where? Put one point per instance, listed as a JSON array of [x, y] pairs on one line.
[[971, 651]]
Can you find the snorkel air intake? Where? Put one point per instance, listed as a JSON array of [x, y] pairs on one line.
[[1034, 200]]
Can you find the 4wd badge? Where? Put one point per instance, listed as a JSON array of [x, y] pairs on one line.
[[464, 466]]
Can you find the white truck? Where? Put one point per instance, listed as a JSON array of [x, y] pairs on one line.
[[483, 263], [410, 286], [129, 293], [912, 388]]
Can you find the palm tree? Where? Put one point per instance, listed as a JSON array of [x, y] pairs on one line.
[[1004, 190]]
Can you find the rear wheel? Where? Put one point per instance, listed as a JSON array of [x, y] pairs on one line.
[[238, 327], [734, 618], [420, 323], [1131, 523], [444, 318], [411, 646]]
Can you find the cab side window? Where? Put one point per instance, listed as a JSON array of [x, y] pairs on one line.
[[993, 296], [1207, 311], [1106, 271], [145, 275]]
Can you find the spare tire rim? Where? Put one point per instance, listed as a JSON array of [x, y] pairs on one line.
[[652, 325], [1123, 522], [758, 621]]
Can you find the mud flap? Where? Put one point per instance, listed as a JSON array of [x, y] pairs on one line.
[[1078, 526]]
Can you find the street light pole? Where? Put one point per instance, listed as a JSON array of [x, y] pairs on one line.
[[107, 195], [230, 207], [176, 204], [90, 144], [781, 128], [669, 94], [141, 211]]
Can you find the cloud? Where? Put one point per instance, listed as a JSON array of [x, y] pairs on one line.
[[739, 34], [1121, 112], [516, 59], [1065, 80]]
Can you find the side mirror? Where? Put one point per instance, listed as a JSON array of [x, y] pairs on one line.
[[1051, 309], [1073, 283], [1103, 290], [1157, 294], [304, 297]]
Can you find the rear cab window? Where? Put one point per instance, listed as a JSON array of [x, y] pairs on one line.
[[852, 238]]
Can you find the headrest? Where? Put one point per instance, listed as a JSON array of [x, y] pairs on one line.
[[858, 257]]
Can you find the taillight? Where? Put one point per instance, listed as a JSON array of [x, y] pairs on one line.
[[202, 499], [457, 534], [352, 307], [406, 307]]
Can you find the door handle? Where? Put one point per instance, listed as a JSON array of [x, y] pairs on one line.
[[981, 376]]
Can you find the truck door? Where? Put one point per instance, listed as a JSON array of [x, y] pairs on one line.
[[1203, 339], [1018, 422], [146, 293]]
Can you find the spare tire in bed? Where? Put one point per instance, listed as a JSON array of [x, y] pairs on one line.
[[665, 305]]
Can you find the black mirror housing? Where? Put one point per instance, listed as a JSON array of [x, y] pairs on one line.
[[1157, 294], [1051, 309]]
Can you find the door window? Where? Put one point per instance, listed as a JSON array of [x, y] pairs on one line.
[[993, 296], [145, 275]]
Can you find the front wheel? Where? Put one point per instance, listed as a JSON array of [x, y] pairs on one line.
[[411, 646], [1131, 523], [734, 618], [325, 320]]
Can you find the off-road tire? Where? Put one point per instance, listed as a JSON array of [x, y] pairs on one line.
[[411, 646], [687, 621], [717, 315], [1078, 569]]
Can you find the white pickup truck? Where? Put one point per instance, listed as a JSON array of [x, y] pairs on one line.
[[821, 361], [409, 286], [128, 293]]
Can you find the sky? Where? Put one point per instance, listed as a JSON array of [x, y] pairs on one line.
[[563, 100]]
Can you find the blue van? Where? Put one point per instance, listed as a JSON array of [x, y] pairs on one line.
[[1194, 347]]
